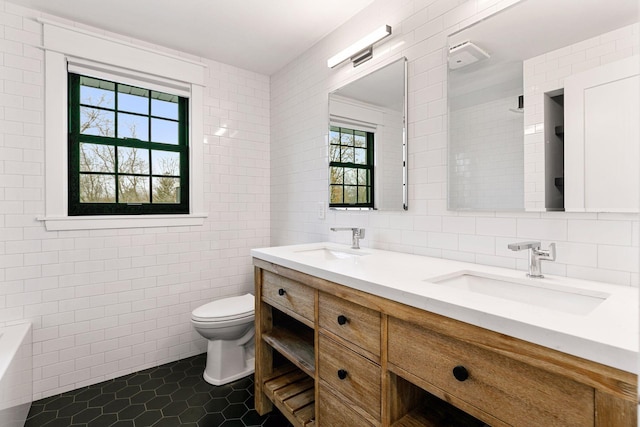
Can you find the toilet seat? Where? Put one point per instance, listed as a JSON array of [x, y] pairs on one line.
[[226, 309]]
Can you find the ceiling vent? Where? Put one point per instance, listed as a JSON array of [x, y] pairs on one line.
[[465, 53]]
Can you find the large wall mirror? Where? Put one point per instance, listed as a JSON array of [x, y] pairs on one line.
[[368, 141], [515, 141]]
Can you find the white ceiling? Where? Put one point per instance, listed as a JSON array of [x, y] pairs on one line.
[[257, 35]]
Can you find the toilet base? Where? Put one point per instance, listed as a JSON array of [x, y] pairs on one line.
[[216, 381], [226, 362]]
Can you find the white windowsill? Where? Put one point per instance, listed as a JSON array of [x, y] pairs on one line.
[[121, 221]]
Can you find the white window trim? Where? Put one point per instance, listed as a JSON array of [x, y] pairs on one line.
[[61, 44]]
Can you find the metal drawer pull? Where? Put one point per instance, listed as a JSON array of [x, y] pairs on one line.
[[342, 374], [342, 320], [461, 373], [281, 292]]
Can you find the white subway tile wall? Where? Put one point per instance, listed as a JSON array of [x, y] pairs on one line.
[[110, 302], [590, 246]]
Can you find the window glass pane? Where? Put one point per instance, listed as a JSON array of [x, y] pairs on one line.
[[334, 136], [96, 122], [350, 176], [133, 160], [97, 93], [133, 189], [166, 190], [347, 154], [336, 175], [133, 99], [360, 156], [97, 158], [346, 138], [164, 131], [130, 126], [363, 194], [362, 176], [97, 188], [164, 105], [336, 194], [360, 139], [350, 194], [334, 153], [165, 163]]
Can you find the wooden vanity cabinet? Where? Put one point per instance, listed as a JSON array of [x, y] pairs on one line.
[[328, 355]]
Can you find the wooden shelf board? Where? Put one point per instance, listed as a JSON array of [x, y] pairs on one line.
[[438, 417], [295, 345], [293, 394]]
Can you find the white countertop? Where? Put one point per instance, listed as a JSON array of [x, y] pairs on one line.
[[608, 334]]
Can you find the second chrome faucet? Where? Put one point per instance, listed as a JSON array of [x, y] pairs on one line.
[[357, 234], [535, 255]]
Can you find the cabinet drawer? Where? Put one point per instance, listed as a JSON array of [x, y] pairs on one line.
[[333, 412], [351, 322], [351, 375], [510, 390], [291, 296]]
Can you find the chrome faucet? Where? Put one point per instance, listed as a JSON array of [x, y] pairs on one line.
[[356, 235], [535, 255]]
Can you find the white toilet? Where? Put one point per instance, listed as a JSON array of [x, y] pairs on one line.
[[228, 325]]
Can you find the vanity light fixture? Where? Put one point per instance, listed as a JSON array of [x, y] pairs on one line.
[[362, 50]]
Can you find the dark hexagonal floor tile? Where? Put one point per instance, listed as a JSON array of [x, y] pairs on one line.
[[174, 408], [198, 399], [160, 372], [114, 406], [131, 412], [71, 410], [192, 415], [114, 386], [168, 422], [152, 384], [138, 379], [59, 403], [158, 402], [59, 422], [88, 394], [104, 420], [189, 381], [211, 419], [234, 411], [86, 415], [142, 397], [148, 418], [221, 391], [128, 391], [171, 395], [102, 399], [217, 405], [183, 393], [238, 396], [166, 389]]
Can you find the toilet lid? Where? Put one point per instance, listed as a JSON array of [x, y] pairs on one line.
[[225, 309]]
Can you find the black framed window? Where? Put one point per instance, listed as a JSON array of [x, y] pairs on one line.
[[351, 159], [128, 149]]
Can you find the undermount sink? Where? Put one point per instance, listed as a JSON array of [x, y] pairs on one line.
[[333, 253], [529, 291]]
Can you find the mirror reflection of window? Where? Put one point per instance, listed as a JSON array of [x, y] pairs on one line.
[[351, 168]]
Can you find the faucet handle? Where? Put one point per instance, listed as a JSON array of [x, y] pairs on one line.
[[547, 254], [521, 246], [360, 232]]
